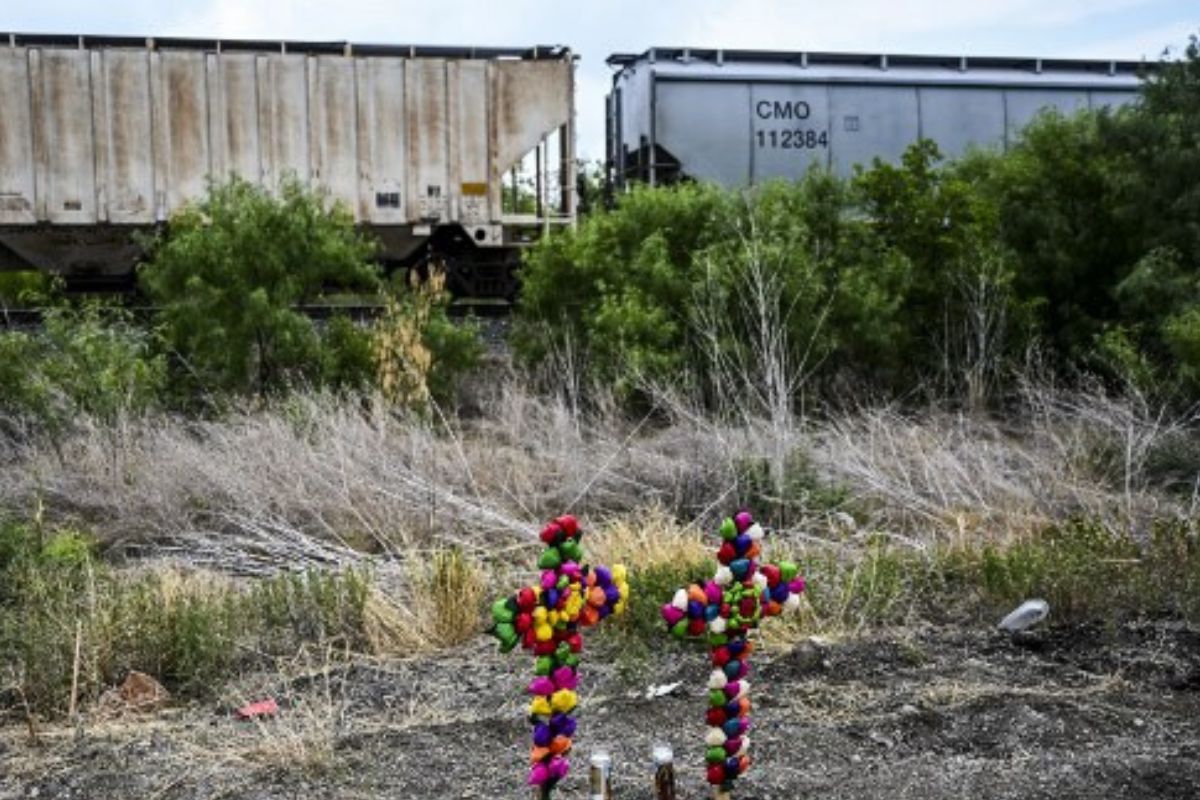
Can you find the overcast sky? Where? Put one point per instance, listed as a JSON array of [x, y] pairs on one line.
[[1120, 29]]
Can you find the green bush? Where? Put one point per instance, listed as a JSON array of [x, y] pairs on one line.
[[1084, 570], [894, 279], [191, 631], [717, 291], [91, 361], [610, 295], [1181, 334], [230, 273], [26, 289], [637, 635], [347, 358], [418, 353], [780, 500]]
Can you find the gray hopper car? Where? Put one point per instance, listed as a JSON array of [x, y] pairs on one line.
[[740, 117], [100, 136]]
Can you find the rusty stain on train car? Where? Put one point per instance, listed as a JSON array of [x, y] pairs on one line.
[[16, 154], [239, 103], [185, 161], [125, 138], [67, 126]]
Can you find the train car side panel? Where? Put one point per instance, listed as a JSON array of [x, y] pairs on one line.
[[66, 159], [237, 140], [472, 135], [333, 121], [183, 98], [1098, 98], [125, 137], [100, 136], [840, 109], [706, 127], [17, 190], [1022, 106], [958, 118], [531, 99], [382, 89], [283, 117], [427, 125], [871, 122]]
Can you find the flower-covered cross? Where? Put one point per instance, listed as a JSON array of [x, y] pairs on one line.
[[546, 619], [728, 607]]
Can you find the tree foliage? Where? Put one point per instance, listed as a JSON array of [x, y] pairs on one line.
[[90, 362], [1083, 240], [675, 284], [231, 273]]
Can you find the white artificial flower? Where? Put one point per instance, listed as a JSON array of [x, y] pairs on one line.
[[680, 600]]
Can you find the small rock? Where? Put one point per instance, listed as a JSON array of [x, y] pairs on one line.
[[139, 692], [880, 739], [908, 710]]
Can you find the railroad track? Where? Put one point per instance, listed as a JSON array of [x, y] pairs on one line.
[[493, 320], [16, 318]]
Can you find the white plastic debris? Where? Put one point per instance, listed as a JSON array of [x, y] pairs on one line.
[[662, 689], [1026, 615]]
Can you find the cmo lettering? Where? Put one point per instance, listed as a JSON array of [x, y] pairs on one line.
[[775, 109]]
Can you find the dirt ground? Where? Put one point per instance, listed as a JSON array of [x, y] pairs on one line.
[[1068, 712]]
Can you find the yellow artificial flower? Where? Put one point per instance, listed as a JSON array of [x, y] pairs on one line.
[[563, 701]]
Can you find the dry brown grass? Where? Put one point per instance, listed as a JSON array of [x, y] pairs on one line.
[[319, 481], [303, 737], [958, 476], [439, 603], [648, 539]]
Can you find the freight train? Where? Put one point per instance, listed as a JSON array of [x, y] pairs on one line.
[[461, 154], [741, 117], [103, 136]]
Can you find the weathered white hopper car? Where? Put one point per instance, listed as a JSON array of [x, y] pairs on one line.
[[740, 117], [100, 136]]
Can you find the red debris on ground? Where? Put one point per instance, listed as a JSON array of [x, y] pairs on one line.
[[263, 708]]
